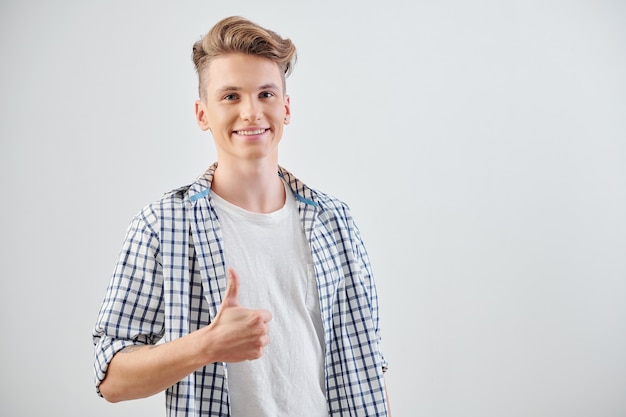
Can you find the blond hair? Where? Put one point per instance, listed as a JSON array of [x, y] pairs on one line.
[[239, 35]]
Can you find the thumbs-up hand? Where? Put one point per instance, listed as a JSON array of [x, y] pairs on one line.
[[238, 333]]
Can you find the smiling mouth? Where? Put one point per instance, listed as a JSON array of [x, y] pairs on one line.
[[250, 132]]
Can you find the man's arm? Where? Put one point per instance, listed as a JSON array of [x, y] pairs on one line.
[[387, 398], [236, 334]]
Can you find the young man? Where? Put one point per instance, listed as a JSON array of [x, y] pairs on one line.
[[244, 255]]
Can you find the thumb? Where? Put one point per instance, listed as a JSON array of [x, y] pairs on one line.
[[231, 297]]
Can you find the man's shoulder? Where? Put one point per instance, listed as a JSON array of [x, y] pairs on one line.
[[330, 207], [166, 207], [171, 199], [310, 195], [328, 201]]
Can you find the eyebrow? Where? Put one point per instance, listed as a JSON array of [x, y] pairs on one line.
[[226, 89], [270, 86]]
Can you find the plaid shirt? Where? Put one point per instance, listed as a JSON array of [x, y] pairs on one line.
[[171, 276]]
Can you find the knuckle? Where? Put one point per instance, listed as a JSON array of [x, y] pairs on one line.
[[256, 353]]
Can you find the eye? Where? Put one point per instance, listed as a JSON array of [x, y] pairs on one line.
[[230, 97], [266, 94]]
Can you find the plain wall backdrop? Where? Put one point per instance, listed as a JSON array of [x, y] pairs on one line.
[[480, 144]]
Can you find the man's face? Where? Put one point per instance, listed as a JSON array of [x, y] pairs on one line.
[[244, 107]]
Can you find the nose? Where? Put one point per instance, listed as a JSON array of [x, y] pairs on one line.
[[250, 110]]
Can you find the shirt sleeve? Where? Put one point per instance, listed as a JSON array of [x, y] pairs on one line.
[[367, 276], [132, 309]]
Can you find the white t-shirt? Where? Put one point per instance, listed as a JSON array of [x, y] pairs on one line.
[[271, 255]]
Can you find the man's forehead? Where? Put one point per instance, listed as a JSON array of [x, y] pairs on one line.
[[233, 63], [266, 86], [237, 71]]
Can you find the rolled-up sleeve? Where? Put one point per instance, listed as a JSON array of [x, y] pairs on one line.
[[132, 311]]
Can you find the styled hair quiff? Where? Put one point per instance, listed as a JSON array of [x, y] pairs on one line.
[[239, 35]]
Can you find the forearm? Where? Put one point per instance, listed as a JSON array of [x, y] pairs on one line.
[[235, 335], [142, 371], [387, 398]]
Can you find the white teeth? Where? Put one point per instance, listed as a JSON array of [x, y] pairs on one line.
[[250, 132]]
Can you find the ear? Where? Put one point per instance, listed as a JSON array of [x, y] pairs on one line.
[[201, 114], [287, 109]]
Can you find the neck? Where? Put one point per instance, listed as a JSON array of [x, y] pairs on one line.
[[254, 187]]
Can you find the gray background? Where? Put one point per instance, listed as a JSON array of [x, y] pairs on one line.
[[481, 145]]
